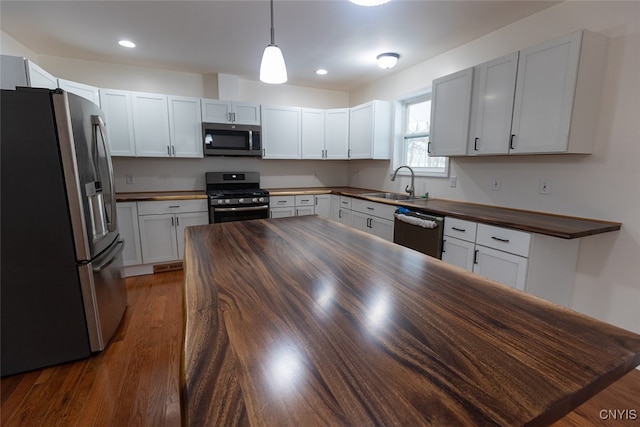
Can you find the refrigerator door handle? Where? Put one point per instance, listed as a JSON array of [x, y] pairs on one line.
[[99, 123], [114, 254]]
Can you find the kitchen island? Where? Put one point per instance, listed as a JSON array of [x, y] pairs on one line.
[[303, 321]]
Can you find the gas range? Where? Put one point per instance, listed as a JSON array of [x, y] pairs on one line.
[[235, 196]]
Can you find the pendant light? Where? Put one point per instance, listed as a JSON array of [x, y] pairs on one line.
[[272, 68]]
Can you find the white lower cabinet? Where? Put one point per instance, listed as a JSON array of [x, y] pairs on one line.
[[323, 205], [162, 227], [370, 217], [130, 232], [538, 264], [296, 205]]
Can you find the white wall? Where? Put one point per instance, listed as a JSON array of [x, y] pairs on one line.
[[603, 185]]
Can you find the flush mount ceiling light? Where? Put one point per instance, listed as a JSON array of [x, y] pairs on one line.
[[369, 2], [387, 60], [321, 72], [127, 43], [272, 68]]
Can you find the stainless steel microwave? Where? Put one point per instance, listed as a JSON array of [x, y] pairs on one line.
[[231, 140]]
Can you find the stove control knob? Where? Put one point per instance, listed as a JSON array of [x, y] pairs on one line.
[[261, 199], [227, 201], [254, 200], [240, 200], [220, 201]]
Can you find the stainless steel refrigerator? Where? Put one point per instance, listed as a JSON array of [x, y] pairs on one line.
[[61, 286]]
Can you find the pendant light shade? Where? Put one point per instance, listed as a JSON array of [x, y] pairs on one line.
[[272, 68]]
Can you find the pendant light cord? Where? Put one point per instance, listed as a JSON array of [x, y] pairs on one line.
[[273, 31]]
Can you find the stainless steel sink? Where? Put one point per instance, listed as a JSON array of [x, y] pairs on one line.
[[389, 196]]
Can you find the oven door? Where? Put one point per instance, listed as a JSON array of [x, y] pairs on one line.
[[241, 213]]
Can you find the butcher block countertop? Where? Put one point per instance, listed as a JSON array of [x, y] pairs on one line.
[[302, 321], [561, 226]]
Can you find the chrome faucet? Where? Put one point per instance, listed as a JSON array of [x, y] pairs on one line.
[[409, 188]]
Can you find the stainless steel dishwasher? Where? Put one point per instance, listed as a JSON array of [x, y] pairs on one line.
[[419, 231]]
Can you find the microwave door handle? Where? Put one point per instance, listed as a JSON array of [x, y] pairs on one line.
[[99, 124]]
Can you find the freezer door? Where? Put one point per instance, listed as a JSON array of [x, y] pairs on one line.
[[88, 173], [104, 294]]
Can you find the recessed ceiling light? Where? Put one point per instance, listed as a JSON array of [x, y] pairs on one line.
[[127, 43], [369, 2], [321, 72]]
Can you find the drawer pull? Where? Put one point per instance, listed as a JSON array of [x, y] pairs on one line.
[[280, 202], [475, 256], [475, 144], [500, 240], [174, 207], [370, 208], [304, 201], [462, 230]]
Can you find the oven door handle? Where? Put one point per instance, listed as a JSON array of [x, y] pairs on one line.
[[242, 209]]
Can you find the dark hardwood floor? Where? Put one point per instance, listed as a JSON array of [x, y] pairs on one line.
[[135, 381]]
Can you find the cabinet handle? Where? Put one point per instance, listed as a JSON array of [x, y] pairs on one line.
[[177, 222], [370, 208], [349, 153], [282, 202], [443, 242], [475, 144], [305, 201], [500, 239], [172, 223], [475, 256], [511, 141], [369, 222], [462, 230], [173, 149], [168, 150], [429, 147], [229, 117], [297, 214], [174, 207], [316, 200], [264, 152], [339, 213], [234, 116]]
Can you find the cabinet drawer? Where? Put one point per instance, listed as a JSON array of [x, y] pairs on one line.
[[282, 201], [172, 206], [305, 200], [380, 210], [504, 239], [460, 228], [345, 202]]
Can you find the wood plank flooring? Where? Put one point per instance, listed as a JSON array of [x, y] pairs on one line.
[[134, 382]]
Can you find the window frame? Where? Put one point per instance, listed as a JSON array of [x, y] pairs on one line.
[[399, 151]]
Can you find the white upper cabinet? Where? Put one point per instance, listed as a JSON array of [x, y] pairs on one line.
[[325, 133], [370, 131], [88, 92], [216, 111], [557, 95], [151, 125], [37, 77], [281, 132], [450, 107], [12, 72], [336, 134], [185, 126], [116, 105], [494, 85], [312, 131]]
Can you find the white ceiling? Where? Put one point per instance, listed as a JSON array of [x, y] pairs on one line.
[[229, 36]]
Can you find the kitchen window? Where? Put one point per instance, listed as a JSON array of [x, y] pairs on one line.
[[415, 113]]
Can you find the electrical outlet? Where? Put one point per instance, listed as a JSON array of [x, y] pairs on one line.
[[453, 181], [129, 179], [495, 184], [545, 186]]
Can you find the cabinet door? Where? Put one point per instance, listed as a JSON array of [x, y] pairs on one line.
[[130, 232], [246, 114], [158, 238], [305, 210], [313, 133], [359, 221], [88, 92], [361, 132], [186, 220], [345, 216], [323, 205], [185, 124], [381, 228], [116, 105], [151, 125], [38, 77], [458, 252], [336, 134], [494, 85], [450, 107], [544, 96], [502, 267], [281, 132], [282, 212], [335, 207], [216, 111], [13, 72]]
